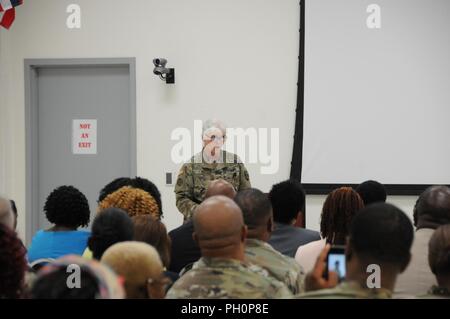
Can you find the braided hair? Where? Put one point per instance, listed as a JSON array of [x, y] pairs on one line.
[[339, 208]]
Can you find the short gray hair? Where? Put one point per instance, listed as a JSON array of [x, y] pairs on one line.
[[214, 123]]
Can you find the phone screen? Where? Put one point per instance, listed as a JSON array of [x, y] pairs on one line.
[[336, 262]]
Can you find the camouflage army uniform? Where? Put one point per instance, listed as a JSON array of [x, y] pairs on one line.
[[437, 292], [219, 278], [348, 290], [195, 175], [281, 267]]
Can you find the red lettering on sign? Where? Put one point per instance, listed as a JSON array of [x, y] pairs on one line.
[[84, 145], [85, 126], [84, 135]]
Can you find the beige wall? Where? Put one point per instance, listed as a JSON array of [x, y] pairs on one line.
[[235, 60]]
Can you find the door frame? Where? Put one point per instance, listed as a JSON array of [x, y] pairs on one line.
[[31, 67]]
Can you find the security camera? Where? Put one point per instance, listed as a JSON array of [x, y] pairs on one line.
[[160, 62], [165, 74], [160, 70]]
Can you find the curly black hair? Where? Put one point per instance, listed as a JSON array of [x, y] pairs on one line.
[[12, 264], [138, 182], [67, 206]]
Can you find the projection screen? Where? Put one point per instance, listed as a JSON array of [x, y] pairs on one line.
[[376, 92]]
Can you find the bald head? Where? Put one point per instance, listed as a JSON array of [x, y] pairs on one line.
[[6, 213], [433, 207], [220, 187], [219, 228]]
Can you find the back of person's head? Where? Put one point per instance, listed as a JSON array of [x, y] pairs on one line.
[[73, 277], [288, 199], [257, 211], [432, 208], [219, 228], [113, 186], [6, 213], [340, 206], [220, 187], [149, 230], [371, 192], [134, 201], [110, 226], [138, 182], [439, 253], [12, 264], [149, 187], [67, 206], [382, 234], [140, 266]]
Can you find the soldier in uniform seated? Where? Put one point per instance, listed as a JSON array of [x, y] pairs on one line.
[[222, 272]]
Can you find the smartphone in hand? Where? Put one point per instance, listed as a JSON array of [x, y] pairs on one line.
[[336, 262]]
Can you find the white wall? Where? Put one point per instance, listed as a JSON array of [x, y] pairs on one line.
[[235, 60]]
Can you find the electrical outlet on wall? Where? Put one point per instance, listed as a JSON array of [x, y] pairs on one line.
[[169, 179]]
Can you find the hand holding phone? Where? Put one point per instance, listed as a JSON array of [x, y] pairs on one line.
[[315, 279], [336, 262]]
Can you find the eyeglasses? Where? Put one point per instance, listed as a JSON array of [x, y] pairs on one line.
[[219, 138]]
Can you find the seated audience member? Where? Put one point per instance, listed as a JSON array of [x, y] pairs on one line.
[[371, 192], [184, 250], [111, 226], [153, 232], [13, 264], [68, 209], [222, 272], [6, 213], [288, 201], [138, 182], [338, 211], [141, 268], [380, 235], [133, 201], [57, 280], [432, 209], [439, 260], [257, 212]]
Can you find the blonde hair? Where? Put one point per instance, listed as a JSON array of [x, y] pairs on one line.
[[136, 262], [133, 201]]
